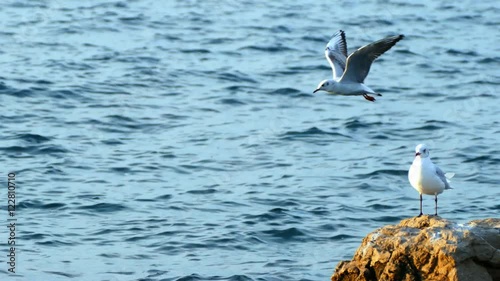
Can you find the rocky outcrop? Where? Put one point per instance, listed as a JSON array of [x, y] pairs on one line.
[[427, 248]]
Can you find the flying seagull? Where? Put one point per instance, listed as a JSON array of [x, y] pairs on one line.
[[349, 72], [426, 177]]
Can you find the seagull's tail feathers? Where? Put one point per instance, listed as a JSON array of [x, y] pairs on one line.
[[448, 179]]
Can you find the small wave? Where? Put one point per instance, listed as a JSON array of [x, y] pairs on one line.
[[269, 49], [56, 243], [35, 204], [164, 197], [192, 277], [133, 20], [388, 219], [235, 76], [429, 127], [280, 29], [483, 159], [494, 60], [386, 172], [231, 102], [381, 207], [354, 123], [342, 237], [218, 41], [312, 38], [284, 91], [238, 88], [202, 191], [274, 214], [314, 131], [320, 211], [195, 51], [34, 236], [121, 170], [104, 208], [31, 138], [287, 234], [196, 277], [34, 150], [51, 149], [405, 52], [461, 53], [65, 274], [369, 22], [485, 82]]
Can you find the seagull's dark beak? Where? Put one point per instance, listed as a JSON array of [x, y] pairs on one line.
[[315, 91], [417, 154]]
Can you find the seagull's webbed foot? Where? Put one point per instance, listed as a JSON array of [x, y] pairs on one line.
[[367, 97], [421, 214]]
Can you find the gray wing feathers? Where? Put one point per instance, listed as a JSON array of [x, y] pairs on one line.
[[359, 62], [341, 42], [336, 54], [441, 175]]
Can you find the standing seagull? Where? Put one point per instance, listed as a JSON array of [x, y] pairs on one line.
[[426, 177], [349, 73]]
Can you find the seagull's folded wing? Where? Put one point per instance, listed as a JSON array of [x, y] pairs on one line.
[[443, 178]]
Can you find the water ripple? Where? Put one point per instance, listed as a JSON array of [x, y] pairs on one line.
[[175, 139]]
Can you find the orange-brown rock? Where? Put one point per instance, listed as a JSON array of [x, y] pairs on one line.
[[427, 248]]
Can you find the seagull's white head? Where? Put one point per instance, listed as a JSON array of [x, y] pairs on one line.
[[422, 151], [325, 85]]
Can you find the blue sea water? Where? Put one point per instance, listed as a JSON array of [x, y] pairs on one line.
[[180, 140]]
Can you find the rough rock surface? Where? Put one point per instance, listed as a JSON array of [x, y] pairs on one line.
[[427, 248]]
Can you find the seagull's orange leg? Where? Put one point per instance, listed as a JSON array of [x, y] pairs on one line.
[[367, 97]]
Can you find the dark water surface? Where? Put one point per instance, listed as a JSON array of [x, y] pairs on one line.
[[180, 140]]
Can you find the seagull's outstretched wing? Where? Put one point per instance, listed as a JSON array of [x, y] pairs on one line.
[[336, 54], [442, 176], [359, 62]]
